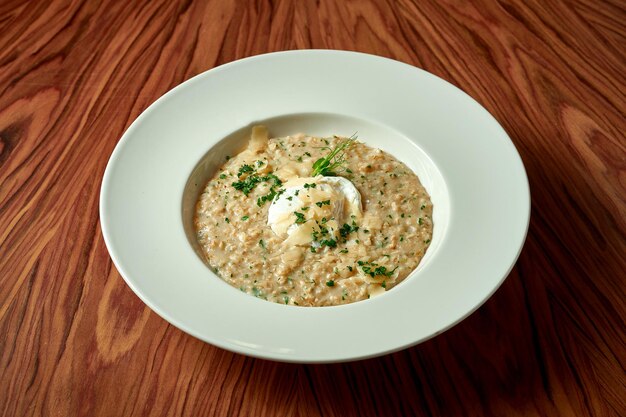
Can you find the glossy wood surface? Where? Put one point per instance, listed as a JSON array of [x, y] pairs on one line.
[[76, 341]]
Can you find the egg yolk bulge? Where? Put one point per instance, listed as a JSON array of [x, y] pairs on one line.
[[312, 211]]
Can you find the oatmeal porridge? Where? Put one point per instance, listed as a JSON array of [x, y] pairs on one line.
[[312, 221]]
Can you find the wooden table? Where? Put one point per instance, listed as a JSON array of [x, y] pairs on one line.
[[76, 341]]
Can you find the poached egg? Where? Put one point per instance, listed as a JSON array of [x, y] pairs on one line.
[[313, 209]]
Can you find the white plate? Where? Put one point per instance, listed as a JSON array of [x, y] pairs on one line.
[[462, 155]]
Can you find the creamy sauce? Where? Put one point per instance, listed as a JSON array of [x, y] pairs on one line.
[[324, 243]]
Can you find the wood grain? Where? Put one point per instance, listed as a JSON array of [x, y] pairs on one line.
[[77, 342]]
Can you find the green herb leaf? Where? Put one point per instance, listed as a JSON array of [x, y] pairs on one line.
[[247, 185], [328, 165], [331, 243], [245, 169], [346, 229], [373, 269]]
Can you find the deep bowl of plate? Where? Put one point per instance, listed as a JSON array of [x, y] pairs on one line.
[[465, 160]]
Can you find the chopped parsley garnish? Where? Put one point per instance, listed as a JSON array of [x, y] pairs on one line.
[[277, 181], [331, 243], [305, 208], [323, 203], [330, 283], [307, 185], [420, 221], [222, 176], [248, 184], [299, 217], [245, 169], [346, 229], [373, 269], [244, 218], [262, 243], [271, 195], [227, 220], [323, 231]]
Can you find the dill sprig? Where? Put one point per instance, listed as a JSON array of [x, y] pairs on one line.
[[336, 158]]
